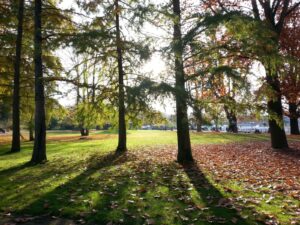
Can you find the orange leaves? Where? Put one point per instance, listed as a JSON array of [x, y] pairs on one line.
[[290, 46], [255, 164]]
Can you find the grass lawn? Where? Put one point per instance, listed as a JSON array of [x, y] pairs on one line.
[[84, 181]]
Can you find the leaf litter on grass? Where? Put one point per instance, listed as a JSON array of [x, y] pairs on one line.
[[247, 183]]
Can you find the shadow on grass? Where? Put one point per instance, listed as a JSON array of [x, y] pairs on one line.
[[71, 198], [15, 169], [220, 208], [8, 152], [120, 188], [5, 150]]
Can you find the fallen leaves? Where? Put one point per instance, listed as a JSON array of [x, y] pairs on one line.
[[256, 165], [132, 184]]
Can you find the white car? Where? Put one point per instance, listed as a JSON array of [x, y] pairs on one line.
[[261, 129], [246, 129]]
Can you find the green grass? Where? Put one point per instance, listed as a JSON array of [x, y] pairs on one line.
[[77, 148], [85, 180]]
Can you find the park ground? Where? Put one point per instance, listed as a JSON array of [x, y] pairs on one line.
[[236, 179]]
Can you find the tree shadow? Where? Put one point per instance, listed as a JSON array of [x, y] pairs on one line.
[[291, 152], [218, 205], [8, 152], [71, 197], [122, 188], [15, 169], [5, 150]]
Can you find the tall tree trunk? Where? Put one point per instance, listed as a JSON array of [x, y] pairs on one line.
[[16, 95], [278, 136], [232, 120], [122, 124], [294, 118], [183, 135], [82, 131], [31, 137], [217, 124], [30, 128], [198, 117], [39, 150]]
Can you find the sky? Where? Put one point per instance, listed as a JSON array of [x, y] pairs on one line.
[[155, 66]]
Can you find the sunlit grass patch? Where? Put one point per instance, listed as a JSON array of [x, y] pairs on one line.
[[85, 180]]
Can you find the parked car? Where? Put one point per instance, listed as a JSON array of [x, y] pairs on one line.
[[246, 129], [258, 128], [261, 128], [215, 129], [205, 128]]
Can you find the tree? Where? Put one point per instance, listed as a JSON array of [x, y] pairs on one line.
[[183, 136], [275, 16], [217, 75], [278, 136], [121, 51], [88, 72], [27, 111], [7, 49], [290, 71], [122, 140], [16, 95], [270, 16], [39, 150]]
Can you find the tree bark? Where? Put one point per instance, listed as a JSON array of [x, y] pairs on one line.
[[122, 142], [31, 137], [16, 95], [278, 136], [82, 131], [294, 119], [39, 150], [198, 117], [183, 136], [30, 128], [232, 120], [217, 124], [199, 126]]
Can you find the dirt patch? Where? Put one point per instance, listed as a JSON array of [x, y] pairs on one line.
[[78, 137], [6, 139]]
